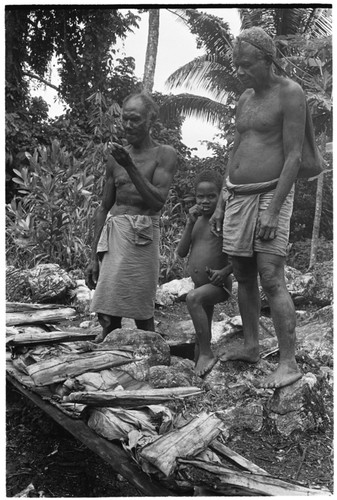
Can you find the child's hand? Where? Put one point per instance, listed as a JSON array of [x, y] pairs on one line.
[[218, 276], [194, 212]]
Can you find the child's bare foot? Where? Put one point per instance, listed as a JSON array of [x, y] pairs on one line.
[[285, 374], [250, 355], [205, 365]]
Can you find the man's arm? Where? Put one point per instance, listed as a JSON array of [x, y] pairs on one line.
[[294, 116], [108, 199], [153, 193], [217, 218]]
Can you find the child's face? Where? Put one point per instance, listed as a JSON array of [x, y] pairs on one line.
[[207, 194]]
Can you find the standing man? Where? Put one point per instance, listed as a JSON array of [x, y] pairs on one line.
[[258, 194], [124, 266]]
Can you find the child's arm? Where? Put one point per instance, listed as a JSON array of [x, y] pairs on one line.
[[185, 241], [218, 276]]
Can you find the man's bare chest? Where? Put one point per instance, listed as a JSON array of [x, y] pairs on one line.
[[260, 114], [146, 164]]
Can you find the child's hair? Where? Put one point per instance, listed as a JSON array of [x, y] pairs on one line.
[[208, 175]]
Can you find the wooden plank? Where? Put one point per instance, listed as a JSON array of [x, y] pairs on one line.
[[43, 316], [131, 398], [28, 306], [47, 338], [259, 483], [108, 451], [236, 458]]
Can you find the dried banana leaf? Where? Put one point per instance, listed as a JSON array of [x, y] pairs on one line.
[[187, 441], [260, 484], [50, 371], [130, 399], [236, 458]]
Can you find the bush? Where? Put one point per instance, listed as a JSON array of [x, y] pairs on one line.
[[49, 218]]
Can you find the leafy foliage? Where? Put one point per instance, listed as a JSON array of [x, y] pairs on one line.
[[49, 219]]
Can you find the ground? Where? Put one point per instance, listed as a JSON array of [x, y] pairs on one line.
[[41, 452]]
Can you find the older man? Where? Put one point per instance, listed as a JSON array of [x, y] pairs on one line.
[[258, 197], [138, 179]]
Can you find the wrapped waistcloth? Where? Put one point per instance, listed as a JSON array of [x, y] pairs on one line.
[[244, 204], [129, 269]]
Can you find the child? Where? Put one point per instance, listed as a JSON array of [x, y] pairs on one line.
[[208, 266]]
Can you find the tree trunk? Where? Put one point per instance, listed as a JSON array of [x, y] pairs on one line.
[[151, 51], [317, 220]]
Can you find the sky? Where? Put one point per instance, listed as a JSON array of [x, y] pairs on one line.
[[176, 47]]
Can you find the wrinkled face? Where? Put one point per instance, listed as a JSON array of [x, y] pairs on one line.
[[136, 121], [251, 66], [207, 194]]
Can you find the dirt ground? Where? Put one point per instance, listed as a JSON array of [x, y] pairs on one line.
[[40, 452]]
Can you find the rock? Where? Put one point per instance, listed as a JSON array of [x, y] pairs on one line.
[[289, 408], [81, 297], [17, 285], [322, 291], [179, 374], [246, 416], [49, 283], [315, 334], [173, 290], [149, 348]]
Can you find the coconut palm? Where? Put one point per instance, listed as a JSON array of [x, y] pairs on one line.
[[213, 73]]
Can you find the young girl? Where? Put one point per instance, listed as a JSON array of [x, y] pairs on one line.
[[208, 266]]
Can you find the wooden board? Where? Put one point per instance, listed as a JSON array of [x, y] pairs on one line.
[[108, 451]]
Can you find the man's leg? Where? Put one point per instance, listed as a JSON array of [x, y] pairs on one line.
[[108, 324], [200, 303], [245, 271], [271, 270], [145, 324]]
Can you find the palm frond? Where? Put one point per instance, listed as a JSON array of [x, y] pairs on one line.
[[213, 34], [212, 74], [189, 105]]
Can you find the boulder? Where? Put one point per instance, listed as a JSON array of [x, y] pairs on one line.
[[173, 290], [49, 283]]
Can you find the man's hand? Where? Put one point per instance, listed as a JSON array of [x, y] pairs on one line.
[[216, 221], [120, 155], [267, 226], [194, 212], [91, 274]]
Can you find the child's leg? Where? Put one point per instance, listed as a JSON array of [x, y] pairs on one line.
[[200, 303]]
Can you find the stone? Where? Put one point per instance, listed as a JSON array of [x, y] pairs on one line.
[[50, 283], [243, 417]]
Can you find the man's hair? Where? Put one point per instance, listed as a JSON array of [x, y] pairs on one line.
[[259, 39], [208, 175], [151, 107]]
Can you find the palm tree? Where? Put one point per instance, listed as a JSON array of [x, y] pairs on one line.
[[214, 71], [151, 51]]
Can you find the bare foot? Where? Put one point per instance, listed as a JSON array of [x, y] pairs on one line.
[[250, 355], [205, 365], [285, 374], [99, 338]]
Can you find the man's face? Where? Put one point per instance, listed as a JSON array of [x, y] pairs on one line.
[[136, 122], [252, 68]]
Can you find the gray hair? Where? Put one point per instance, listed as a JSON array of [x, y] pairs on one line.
[[259, 39], [151, 107]]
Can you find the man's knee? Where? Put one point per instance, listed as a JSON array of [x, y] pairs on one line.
[[272, 281]]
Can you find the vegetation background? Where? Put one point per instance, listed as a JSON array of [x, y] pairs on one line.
[[55, 167]]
